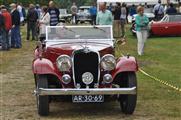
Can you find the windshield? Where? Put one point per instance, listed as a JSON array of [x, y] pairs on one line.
[[77, 33], [174, 18]]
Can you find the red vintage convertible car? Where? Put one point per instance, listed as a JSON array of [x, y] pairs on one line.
[[169, 25], [79, 62]]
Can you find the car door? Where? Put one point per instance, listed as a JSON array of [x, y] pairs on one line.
[[160, 29], [168, 27], [173, 26]]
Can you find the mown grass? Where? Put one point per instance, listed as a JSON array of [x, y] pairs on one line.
[[161, 59], [156, 101]]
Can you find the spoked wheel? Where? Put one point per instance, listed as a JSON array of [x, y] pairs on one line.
[[128, 102], [42, 101]]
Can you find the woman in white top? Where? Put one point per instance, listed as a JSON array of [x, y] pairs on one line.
[[44, 21]]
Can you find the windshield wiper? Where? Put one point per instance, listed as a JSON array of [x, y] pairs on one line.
[[99, 28]]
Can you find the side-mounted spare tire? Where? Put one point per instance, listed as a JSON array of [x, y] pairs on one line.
[[42, 100]]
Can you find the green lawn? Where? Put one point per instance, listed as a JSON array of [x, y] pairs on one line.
[[162, 59]]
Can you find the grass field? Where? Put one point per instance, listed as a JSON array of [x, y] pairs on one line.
[[162, 59]]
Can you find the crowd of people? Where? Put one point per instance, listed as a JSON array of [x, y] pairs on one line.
[[37, 18]]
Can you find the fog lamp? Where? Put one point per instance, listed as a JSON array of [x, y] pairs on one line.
[[107, 78], [66, 79]]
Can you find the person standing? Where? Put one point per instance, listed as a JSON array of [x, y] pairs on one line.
[[104, 16], [171, 9], [44, 21], [116, 24], [93, 13], [141, 29], [20, 10], [38, 10], [132, 10], [32, 17], [2, 31], [123, 18], [158, 10], [54, 14], [15, 31], [74, 11], [8, 25]]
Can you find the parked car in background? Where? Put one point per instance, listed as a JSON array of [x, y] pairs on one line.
[[79, 61], [169, 25], [148, 12], [83, 14], [64, 16]]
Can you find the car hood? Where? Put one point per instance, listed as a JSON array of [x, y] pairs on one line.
[[68, 48]]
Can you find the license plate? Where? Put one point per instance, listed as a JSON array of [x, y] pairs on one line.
[[87, 98]]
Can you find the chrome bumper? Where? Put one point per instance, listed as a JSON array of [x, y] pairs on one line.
[[90, 91]]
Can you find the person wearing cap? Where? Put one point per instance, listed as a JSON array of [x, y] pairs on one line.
[[104, 16], [15, 31], [8, 25]]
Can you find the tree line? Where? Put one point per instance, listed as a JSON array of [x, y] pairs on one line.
[[60, 3]]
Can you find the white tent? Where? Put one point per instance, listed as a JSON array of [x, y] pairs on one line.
[[130, 2]]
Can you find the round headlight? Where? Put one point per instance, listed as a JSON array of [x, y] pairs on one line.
[[87, 78], [64, 63], [108, 62]]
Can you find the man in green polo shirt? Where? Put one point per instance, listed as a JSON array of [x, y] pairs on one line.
[[104, 16]]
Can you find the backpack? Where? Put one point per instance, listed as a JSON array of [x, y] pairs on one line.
[[156, 11]]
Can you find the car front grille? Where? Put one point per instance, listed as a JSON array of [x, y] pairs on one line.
[[85, 61]]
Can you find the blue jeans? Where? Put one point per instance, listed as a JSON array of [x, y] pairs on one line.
[[3, 39], [16, 37]]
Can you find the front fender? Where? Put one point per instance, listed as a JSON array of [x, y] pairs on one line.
[[44, 66], [125, 64]]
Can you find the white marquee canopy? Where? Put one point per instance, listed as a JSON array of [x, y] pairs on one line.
[[130, 1]]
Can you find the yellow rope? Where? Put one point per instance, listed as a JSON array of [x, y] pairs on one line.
[[161, 81], [158, 80]]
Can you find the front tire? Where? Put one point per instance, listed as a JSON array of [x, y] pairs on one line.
[[42, 101], [128, 102]]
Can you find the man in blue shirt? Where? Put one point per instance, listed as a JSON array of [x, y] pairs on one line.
[[158, 10], [93, 13]]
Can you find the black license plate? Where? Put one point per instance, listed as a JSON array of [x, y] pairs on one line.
[[87, 98]]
